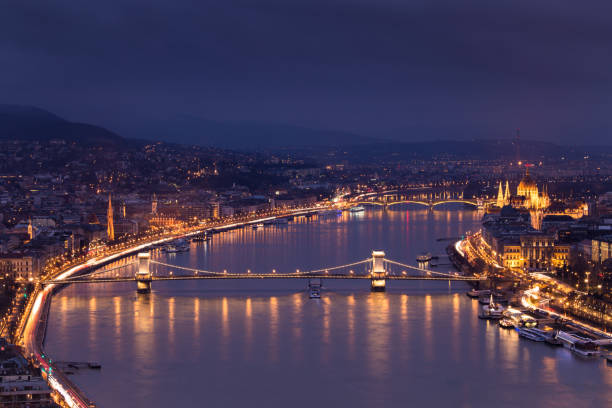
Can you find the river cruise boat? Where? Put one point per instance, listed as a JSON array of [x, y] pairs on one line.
[[530, 334], [180, 245], [520, 319], [580, 345], [506, 323], [356, 209], [475, 294]]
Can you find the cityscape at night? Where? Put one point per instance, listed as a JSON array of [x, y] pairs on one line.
[[305, 203]]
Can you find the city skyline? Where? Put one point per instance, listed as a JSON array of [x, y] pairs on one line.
[[365, 203]]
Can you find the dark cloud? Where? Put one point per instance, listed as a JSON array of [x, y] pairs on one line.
[[406, 69]]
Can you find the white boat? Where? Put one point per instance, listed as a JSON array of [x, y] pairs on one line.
[[475, 294], [255, 226], [530, 334], [356, 209], [506, 323], [580, 345]]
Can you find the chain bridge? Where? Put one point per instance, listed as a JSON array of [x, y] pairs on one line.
[[377, 269]]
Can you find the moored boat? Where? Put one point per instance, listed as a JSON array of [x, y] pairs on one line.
[[506, 323], [530, 334], [578, 344], [552, 340], [475, 294], [484, 299], [492, 310]]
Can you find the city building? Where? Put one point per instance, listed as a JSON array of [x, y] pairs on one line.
[[21, 385], [601, 249], [528, 195], [510, 239]]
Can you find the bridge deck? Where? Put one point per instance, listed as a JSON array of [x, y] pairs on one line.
[[267, 276]]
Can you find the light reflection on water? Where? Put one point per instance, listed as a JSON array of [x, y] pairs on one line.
[[266, 344]]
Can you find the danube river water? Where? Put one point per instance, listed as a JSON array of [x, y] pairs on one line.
[[266, 344]]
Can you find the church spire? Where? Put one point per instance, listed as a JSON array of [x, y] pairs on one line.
[[30, 229], [154, 205], [500, 196], [110, 228], [507, 193]]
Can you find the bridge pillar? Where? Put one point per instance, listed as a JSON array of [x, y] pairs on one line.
[[378, 274], [143, 275]]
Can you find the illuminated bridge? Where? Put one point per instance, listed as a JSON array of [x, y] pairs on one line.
[[377, 269], [428, 199]]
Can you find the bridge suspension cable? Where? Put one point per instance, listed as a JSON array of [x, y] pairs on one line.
[[311, 272], [417, 268]]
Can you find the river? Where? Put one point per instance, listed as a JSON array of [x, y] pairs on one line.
[[265, 343]]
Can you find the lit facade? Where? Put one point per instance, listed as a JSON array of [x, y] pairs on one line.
[[527, 195]]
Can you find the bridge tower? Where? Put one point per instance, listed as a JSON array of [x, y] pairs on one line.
[[378, 274], [143, 275]]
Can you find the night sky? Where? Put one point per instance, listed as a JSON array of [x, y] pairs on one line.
[[409, 70]]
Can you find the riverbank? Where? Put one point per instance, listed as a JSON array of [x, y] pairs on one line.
[[460, 260]]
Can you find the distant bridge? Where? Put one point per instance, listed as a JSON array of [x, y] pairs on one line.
[[430, 204], [428, 199], [377, 269]]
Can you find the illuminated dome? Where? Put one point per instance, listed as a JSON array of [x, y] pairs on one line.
[[527, 187]]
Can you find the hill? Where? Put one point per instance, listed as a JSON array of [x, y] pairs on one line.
[[31, 123], [243, 135]]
